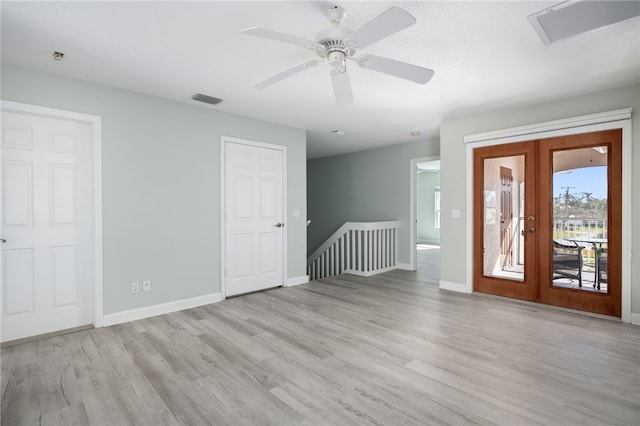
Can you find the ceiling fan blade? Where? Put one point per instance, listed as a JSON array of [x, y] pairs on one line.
[[396, 68], [278, 36], [341, 87], [389, 22], [284, 74]]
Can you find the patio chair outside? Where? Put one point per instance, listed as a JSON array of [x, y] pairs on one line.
[[567, 261], [601, 265]]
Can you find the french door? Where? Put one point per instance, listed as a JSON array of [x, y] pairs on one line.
[[547, 221]]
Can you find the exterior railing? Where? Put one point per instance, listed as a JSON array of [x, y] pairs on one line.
[[581, 230], [359, 248]]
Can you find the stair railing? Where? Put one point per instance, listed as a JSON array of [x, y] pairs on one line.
[[359, 248]]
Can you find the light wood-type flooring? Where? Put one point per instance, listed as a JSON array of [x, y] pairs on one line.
[[388, 350]]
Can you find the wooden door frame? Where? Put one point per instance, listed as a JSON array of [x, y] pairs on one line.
[[95, 130], [616, 119], [604, 303], [507, 287], [223, 207]]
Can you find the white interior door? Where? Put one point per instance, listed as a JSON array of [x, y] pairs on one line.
[[254, 225], [46, 225]]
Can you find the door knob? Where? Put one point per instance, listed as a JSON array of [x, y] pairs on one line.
[[530, 230], [2, 240], [531, 219], [279, 225]]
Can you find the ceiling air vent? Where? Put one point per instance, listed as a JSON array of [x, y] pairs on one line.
[[206, 99], [575, 17]]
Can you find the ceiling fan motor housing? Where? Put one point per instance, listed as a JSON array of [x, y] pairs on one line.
[[336, 48]]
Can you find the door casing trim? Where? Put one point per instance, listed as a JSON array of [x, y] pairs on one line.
[[616, 119], [223, 222], [95, 125], [413, 208]]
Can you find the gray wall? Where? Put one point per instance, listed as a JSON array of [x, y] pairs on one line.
[[426, 231], [366, 186], [454, 171], [161, 184]]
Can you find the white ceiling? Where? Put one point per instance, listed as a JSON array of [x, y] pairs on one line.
[[485, 55]]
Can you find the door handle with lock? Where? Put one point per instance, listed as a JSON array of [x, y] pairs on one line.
[[530, 230], [279, 225]]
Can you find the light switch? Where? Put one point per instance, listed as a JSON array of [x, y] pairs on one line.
[[296, 212], [455, 213]]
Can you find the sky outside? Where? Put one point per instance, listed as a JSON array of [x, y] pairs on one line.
[[587, 179]]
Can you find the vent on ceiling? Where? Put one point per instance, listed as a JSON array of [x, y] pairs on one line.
[[206, 99], [574, 17]]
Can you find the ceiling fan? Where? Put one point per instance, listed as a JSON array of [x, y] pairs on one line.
[[337, 44]]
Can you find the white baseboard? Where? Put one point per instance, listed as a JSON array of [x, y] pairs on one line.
[[635, 319], [447, 285], [297, 280], [428, 242], [164, 308], [405, 267]]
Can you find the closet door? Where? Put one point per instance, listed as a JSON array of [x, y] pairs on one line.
[[46, 219]]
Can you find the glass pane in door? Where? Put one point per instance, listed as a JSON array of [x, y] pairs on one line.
[[580, 212], [503, 224]]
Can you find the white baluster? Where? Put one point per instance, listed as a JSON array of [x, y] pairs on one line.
[[386, 248], [395, 247], [346, 251], [358, 250], [341, 267], [334, 259], [331, 260], [323, 262], [382, 248], [365, 251], [376, 251]]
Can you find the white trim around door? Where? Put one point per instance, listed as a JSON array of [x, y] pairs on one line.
[[95, 124], [617, 119], [224, 140]]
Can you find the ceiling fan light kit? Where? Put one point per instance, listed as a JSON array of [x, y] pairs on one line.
[[337, 44]]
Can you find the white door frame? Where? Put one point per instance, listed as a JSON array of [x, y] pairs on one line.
[[616, 119], [413, 207], [95, 124], [223, 208]]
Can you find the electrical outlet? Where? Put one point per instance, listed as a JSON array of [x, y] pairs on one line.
[[135, 287], [146, 285]]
